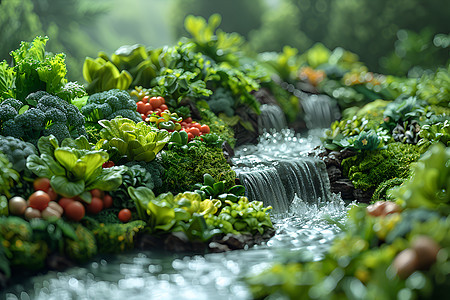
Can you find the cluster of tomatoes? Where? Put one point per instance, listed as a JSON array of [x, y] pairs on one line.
[[154, 109], [193, 129], [44, 203], [151, 105]]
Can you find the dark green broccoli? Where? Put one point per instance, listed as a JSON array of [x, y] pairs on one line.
[[222, 101], [154, 168], [44, 114], [16, 151], [110, 104]]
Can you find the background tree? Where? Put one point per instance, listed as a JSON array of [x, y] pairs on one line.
[[239, 16]]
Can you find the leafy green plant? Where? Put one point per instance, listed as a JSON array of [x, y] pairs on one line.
[[103, 75], [402, 110], [429, 184], [439, 132], [139, 142], [213, 189], [8, 178], [84, 247], [35, 70], [74, 168], [53, 231], [116, 238], [242, 217]]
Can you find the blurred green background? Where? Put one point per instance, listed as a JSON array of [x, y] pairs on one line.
[[403, 37]]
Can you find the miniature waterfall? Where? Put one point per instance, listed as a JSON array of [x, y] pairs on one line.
[[279, 183], [320, 111], [271, 117]]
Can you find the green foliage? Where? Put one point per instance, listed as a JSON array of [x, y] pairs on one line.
[[103, 75], [212, 189], [429, 184], [371, 168], [366, 140], [17, 151], [242, 217], [140, 142], [439, 132], [53, 232], [402, 110], [18, 241], [8, 178], [116, 238], [380, 193], [74, 168], [82, 248], [34, 70], [110, 104], [183, 170], [218, 126], [435, 88], [136, 174]]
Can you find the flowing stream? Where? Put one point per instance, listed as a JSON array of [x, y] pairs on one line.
[[275, 171]]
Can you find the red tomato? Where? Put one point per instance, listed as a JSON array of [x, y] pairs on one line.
[[183, 124], [53, 195], [95, 206], [158, 111], [164, 107], [63, 202], [75, 211], [155, 102], [124, 215], [188, 120], [140, 106], [39, 200], [196, 125], [41, 184], [205, 129], [145, 99], [190, 136], [194, 131], [161, 99], [147, 107], [107, 201], [96, 193], [143, 117]]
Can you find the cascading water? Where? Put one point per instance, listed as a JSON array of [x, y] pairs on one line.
[[271, 117], [320, 111]]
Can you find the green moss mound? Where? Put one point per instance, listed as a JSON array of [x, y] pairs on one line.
[[380, 193], [82, 249], [369, 169], [218, 126], [116, 238], [183, 170]]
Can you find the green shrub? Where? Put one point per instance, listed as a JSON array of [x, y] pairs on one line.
[[84, 247], [116, 238], [369, 169]]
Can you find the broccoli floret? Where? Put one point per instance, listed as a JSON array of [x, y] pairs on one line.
[[54, 115], [59, 130], [222, 101], [7, 112], [154, 168], [45, 112], [17, 151], [110, 104], [11, 128], [13, 102]]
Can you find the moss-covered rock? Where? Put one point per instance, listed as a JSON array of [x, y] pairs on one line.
[[380, 193], [184, 169], [217, 126], [369, 169]]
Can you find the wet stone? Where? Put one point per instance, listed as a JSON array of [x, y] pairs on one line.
[[334, 173]]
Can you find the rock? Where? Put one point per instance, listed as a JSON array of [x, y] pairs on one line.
[[234, 241], [334, 173], [177, 242], [345, 187], [58, 262], [363, 196], [345, 153], [148, 242], [216, 247]]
